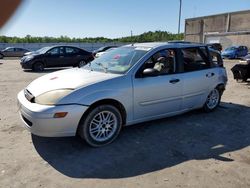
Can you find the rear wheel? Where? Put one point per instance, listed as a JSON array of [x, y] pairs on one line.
[[101, 126], [1, 56], [38, 67], [213, 100]]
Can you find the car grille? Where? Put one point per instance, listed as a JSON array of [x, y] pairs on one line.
[[28, 95], [27, 121]]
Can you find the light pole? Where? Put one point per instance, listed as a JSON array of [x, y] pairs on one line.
[[179, 17]]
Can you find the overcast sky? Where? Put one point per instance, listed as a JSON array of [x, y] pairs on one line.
[[109, 18]]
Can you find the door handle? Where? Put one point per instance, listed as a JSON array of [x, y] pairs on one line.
[[174, 81], [211, 74]]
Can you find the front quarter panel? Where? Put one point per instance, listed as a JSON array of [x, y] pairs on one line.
[[119, 89]]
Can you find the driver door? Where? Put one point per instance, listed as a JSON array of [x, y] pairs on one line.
[[159, 95], [55, 57]]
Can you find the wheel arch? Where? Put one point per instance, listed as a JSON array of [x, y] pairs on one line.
[[221, 88], [38, 61], [112, 102]]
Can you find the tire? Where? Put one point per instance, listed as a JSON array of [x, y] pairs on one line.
[[1, 56], [101, 125], [81, 63], [38, 67], [213, 100]]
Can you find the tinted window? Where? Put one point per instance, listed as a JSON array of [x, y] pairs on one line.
[[70, 50], [195, 59], [56, 51], [216, 58], [9, 50]]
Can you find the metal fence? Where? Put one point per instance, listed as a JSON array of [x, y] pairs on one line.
[[36, 46]]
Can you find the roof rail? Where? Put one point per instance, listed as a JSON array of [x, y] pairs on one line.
[[184, 42], [179, 41]]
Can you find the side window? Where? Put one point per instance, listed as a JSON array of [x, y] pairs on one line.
[[71, 51], [10, 50], [164, 62], [56, 51], [195, 59], [216, 59]]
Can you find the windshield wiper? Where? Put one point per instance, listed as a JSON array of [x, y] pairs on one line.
[[103, 67]]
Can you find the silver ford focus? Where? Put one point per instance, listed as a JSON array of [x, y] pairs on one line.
[[128, 85]]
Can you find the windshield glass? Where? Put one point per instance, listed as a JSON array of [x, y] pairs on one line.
[[42, 50], [231, 48], [118, 60]]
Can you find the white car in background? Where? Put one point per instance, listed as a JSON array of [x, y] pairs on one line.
[[128, 85]]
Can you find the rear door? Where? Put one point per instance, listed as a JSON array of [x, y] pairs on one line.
[[159, 95], [198, 76], [72, 56]]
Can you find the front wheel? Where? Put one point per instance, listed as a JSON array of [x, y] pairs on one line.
[[101, 126], [1, 56], [213, 100], [38, 67]]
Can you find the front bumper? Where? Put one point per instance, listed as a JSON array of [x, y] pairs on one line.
[[39, 120], [26, 65]]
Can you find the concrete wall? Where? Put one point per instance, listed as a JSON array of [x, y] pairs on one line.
[[36, 46], [228, 29], [229, 39]]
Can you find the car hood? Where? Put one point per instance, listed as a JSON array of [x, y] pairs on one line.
[[67, 79]]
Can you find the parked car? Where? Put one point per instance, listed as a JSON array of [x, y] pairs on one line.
[[130, 84], [12, 52], [103, 52], [215, 46], [241, 71], [235, 52], [102, 49], [56, 56]]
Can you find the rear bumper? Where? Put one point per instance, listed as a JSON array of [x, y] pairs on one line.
[[39, 120]]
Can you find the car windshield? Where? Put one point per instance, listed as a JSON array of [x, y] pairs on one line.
[[42, 50], [118, 60], [231, 48]]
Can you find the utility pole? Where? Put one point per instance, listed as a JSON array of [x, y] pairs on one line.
[[179, 17]]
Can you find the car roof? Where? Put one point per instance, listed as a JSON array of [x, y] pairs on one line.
[[170, 44]]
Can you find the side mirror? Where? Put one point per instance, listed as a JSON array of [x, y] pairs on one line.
[[150, 72]]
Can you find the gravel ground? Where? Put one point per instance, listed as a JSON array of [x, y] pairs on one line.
[[191, 150]]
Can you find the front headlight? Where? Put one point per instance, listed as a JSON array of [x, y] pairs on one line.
[[52, 97], [28, 58]]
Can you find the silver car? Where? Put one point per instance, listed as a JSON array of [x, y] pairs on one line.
[[128, 85]]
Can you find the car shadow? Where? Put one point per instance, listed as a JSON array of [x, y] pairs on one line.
[[152, 146], [46, 70]]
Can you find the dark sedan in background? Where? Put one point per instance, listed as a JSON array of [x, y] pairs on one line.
[[56, 56], [13, 52]]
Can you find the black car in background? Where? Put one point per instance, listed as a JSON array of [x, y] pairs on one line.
[[56, 56], [13, 52], [215, 46]]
